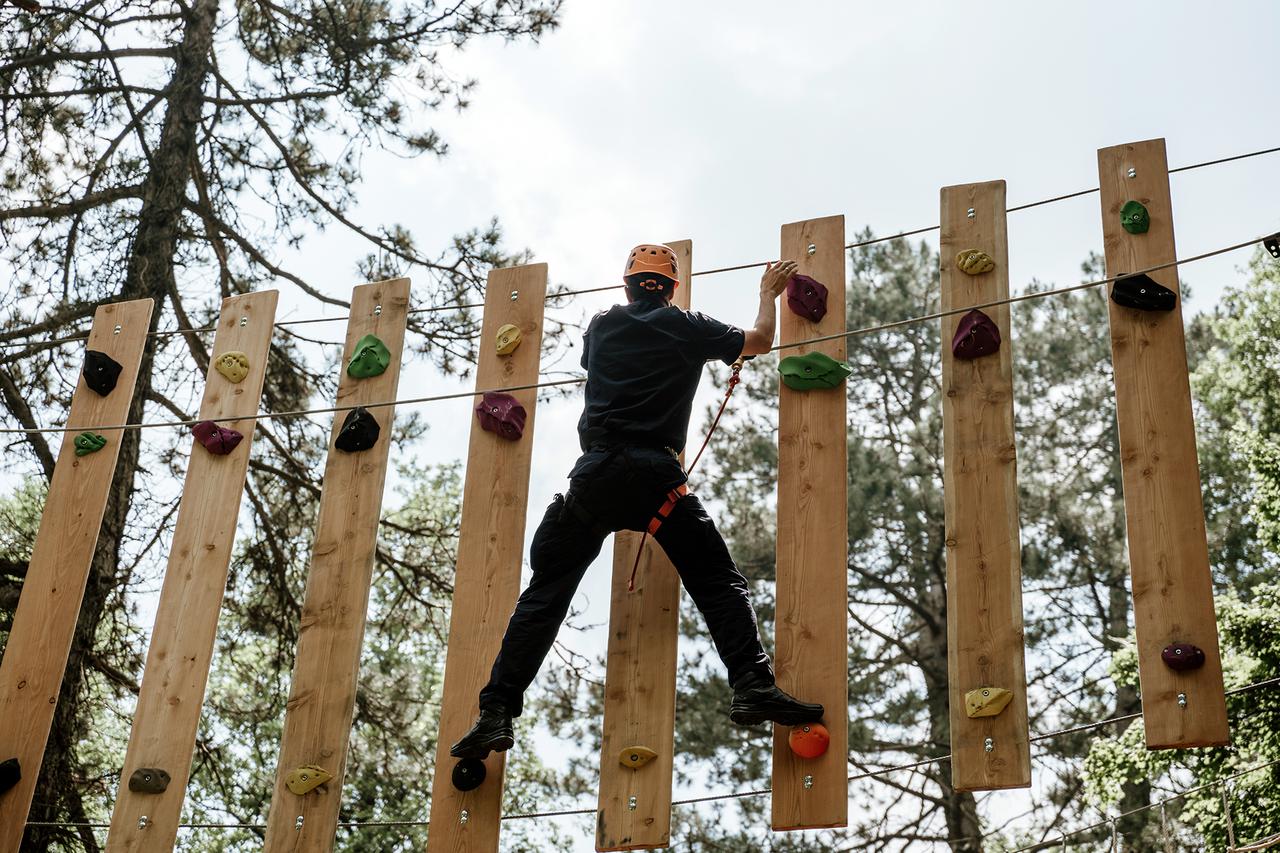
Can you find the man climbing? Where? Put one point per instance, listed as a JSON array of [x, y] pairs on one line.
[[643, 363]]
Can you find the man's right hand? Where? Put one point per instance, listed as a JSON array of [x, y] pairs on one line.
[[775, 278]]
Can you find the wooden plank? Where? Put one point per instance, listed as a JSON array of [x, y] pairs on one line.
[[984, 564], [35, 656], [1164, 515], [486, 583], [812, 622], [640, 679], [173, 683], [317, 721]]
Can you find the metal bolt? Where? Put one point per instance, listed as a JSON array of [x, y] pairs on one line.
[[813, 249], [464, 817], [971, 213], [244, 321], [377, 310], [1182, 700], [297, 824], [631, 804], [989, 744], [117, 331], [808, 782], [515, 294], [144, 822], [1133, 173]]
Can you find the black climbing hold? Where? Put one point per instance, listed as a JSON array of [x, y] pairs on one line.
[[502, 414], [216, 439], [1182, 656], [359, 431], [807, 297], [101, 371], [468, 774], [976, 336], [148, 780], [1272, 244], [10, 774], [1141, 291]]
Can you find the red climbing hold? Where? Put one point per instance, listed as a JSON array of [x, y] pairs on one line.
[[809, 740]]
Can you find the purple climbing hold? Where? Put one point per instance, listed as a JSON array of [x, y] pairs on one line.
[[502, 414], [976, 336], [217, 440], [1182, 656], [807, 297]]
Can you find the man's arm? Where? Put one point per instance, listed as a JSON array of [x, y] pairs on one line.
[[759, 338]]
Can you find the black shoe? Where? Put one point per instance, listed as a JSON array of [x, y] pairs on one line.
[[491, 733], [757, 700]]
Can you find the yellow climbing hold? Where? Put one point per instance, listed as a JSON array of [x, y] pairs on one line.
[[306, 778], [233, 365], [509, 338], [986, 701], [975, 262], [636, 757]]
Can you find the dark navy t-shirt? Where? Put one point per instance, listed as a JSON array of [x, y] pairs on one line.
[[643, 361]]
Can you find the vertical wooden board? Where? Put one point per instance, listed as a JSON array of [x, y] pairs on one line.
[[173, 684], [35, 656], [812, 621], [640, 679], [1164, 515], [317, 721], [984, 565], [495, 498]]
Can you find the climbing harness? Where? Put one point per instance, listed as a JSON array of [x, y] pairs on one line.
[[674, 496]]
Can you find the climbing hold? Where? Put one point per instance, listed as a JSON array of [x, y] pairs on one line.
[[809, 740], [359, 431], [1142, 292], [975, 262], [148, 780], [10, 774], [501, 413], [1134, 217], [216, 439], [1272, 244], [89, 442], [468, 774], [812, 370], [636, 757], [101, 371], [807, 297], [509, 337], [233, 365], [371, 359], [306, 778], [1182, 656], [976, 335], [986, 701]]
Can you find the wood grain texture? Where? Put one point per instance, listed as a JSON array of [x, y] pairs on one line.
[[317, 721], [173, 683], [1164, 515], [812, 622], [640, 679], [980, 479], [35, 655], [495, 499]]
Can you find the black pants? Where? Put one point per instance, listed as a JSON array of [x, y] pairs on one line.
[[622, 489]]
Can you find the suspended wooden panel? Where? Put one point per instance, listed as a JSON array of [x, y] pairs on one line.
[[984, 561], [640, 679], [35, 656], [1164, 514], [168, 711], [486, 582], [317, 721], [812, 622]]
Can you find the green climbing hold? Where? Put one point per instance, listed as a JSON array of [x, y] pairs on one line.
[[371, 359], [1134, 217], [89, 442], [812, 370]]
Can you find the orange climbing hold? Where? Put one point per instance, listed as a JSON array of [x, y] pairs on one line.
[[809, 740]]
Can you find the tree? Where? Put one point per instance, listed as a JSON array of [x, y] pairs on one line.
[[151, 147]]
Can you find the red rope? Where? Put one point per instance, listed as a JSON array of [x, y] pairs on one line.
[[734, 379]]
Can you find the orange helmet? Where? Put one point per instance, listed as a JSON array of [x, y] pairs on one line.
[[653, 258]]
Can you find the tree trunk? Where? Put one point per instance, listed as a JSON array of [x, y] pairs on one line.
[[1134, 794], [149, 273]]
